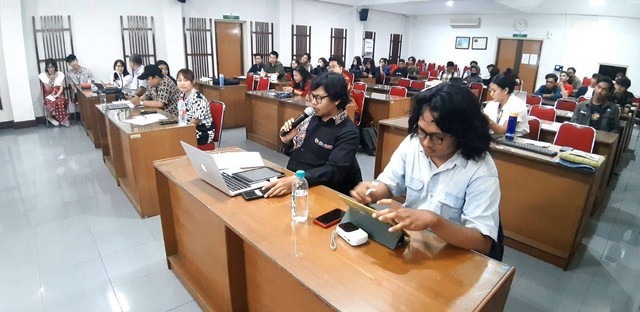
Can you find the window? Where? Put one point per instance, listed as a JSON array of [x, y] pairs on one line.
[[395, 48], [138, 37], [198, 46], [261, 38], [338, 43], [300, 40]]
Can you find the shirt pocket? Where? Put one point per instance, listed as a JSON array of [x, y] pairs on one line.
[[451, 207]]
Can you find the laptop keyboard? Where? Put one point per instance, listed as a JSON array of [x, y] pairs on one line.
[[234, 183]]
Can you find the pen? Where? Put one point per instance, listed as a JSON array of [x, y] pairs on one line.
[[371, 189]]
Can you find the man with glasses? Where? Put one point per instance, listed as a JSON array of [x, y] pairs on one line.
[[323, 145], [337, 66], [444, 169], [550, 90]]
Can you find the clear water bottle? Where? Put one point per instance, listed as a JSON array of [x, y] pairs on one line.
[[300, 198], [511, 126], [182, 113], [221, 80]]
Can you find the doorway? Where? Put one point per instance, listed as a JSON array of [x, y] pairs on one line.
[[229, 39], [523, 56]]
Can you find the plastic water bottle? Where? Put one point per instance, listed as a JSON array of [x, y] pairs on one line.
[[299, 198], [182, 113], [221, 80], [511, 126]]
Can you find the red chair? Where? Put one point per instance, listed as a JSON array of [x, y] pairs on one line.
[[586, 81], [358, 97], [440, 68], [431, 66], [533, 99], [418, 84], [217, 113], [263, 84], [433, 74], [477, 86], [464, 71], [421, 64], [534, 128], [635, 100], [288, 77], [566, 104], [404, 82], [398, 91], [250, 82], [360, 86], [543, 112], [352, 77], [424, 73], [582, 99], [577, 136]]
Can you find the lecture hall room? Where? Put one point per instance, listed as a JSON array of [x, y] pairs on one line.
[[319, 155]]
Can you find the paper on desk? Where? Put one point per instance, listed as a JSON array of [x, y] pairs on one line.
[[145, 119], [538, 143], [238, 160]]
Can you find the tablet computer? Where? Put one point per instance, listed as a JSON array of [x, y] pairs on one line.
[[259, 174], [360, 207]]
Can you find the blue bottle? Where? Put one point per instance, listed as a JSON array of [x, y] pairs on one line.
[[221, 80], [511, 126]]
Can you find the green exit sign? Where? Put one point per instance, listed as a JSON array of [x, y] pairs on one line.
[[519, 35], [231, 17]]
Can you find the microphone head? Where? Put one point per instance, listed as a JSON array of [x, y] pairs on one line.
[[309, 111]]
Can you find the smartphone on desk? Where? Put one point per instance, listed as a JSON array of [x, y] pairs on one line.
[[330, 218]]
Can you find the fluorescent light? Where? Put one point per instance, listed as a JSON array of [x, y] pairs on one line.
[[450, 3]]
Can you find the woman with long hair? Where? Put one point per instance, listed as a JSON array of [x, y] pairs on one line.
[[121, 77], [55, 104], [301, 83]]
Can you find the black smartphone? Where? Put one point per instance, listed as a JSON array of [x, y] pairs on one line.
[[254, 194], [144, 112], [330, 218]]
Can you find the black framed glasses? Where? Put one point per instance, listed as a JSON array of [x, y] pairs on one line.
[[435, 138], [316, 98]]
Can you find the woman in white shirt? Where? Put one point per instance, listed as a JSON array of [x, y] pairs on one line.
[[121, 77], [55, 104], [504, 103]]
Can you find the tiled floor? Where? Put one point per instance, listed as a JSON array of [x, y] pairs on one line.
[[71, 241]]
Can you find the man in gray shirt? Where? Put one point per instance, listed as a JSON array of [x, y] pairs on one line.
[[77, 74], [273, 66]]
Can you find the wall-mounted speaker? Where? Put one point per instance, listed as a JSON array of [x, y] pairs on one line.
[[364, 14]]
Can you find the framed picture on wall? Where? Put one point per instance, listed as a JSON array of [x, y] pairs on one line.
[[462, 43], [479, 43]]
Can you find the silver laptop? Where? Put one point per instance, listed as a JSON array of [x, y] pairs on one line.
[[206, 167]]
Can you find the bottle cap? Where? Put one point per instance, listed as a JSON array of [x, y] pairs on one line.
[[300, 174], [513, 114]]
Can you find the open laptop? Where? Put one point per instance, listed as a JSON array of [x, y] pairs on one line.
[[206, 167]]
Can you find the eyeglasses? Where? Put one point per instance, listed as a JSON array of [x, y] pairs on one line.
[[332, 66], [437, 139], [317, 98]]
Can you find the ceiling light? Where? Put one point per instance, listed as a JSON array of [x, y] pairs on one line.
[[450, 3]]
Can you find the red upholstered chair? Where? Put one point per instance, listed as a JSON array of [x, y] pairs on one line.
[[352, 76], [582, 99], [288, 77], [424, 73], [433, 74], [533, 99], [477, 86], [358, 97], [421, 64], [418, 84], [440, 68], [635, 100], [360, 86], [464, 71], [543, 112], [404, 82], [576, 136], [586, 81], [534, 128], [566, 104], [263, 84], [398, 91], [217, 113], [431, 66], [251, 83]]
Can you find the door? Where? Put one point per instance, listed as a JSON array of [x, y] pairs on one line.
[[510, 55], [229, 48]]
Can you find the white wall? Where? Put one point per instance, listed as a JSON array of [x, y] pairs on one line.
[[6, 113], [385, 24], [578, 41]]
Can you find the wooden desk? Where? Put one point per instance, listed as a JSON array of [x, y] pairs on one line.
[[234, 255], [132, 150], [543, 205], [278, 85], [366, 80], [379, 106], [233, 98], [87, 101]]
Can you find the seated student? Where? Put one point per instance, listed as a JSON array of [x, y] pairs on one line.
[[274, 67], [301, 82], [621, 96], [449, 72], [357, 69], [321, 68], [383, 67], [325, 144], [55, 104], [162, 93], [257, 66], [550, 90], [587, 91], [370, 70], [198, 108], [164, 67], [294, 63], [490, 67], [77, 74], [121, 77], [138, 86], [574, 81], [337, 66], [493, 72], [566, 89], [401, 71], [305, 61], [504, 103], [444, 169], [412, 69], [598, 112], [471, 64], [473, 76]]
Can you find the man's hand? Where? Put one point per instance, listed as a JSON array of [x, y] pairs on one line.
[[289, 136], [406, 218], [135, 100], [279, 187]]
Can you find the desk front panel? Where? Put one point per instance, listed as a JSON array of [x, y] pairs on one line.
[[233, 98]]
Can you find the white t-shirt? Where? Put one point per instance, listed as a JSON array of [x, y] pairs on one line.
[[135, 82], [58, 80], [501, 117]]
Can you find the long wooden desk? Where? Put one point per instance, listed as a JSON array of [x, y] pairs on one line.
[[233, 98], [234, 255], [87, 101], [543, 206], [379, 106], [129, 152]]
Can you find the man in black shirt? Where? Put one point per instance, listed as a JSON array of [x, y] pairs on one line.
[[257, 66], [401, 71], [323, 145], [597, 111], [621, 96]]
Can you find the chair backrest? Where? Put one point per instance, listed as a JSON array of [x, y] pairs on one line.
[[404, 82], [358, 97], [635, 100], [577, 136], [217, 113], [433, 74], [398, 90], [533, 99], [418, 84], [263, 84], [440, 68], [586, 81], [424, 73], [566, 104], [582, 99], [543, 112], [534, 128], [360, 86], [352, 76], [250, 82], [288, 77], [431, 66], [464, 71], [420, 64], [477, 86]]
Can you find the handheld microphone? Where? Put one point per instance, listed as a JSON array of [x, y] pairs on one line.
[[309, 111]]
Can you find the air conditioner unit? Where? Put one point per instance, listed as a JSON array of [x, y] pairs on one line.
[[465, 22]]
